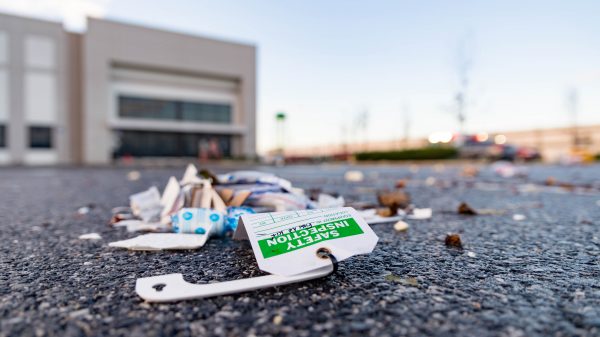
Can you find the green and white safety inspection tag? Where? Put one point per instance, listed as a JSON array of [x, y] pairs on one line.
[[286, 243]]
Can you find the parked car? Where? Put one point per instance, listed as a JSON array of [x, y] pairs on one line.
[[474, 148]]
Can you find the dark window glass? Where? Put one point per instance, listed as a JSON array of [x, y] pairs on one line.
[[40, 137], [147, 108], [208, 112], [135, 107], [171, 144], [2, 136]]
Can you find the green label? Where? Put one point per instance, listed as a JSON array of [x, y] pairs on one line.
[[300, 238]]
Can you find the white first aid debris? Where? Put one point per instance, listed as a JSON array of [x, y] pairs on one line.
[[286, 243], [146, 205], [519, 217], [328, 201], [354, 176], [372, 218], [420, 214], [160, 241], [255, 177], [90, 236], [171, 200], [190, 176]]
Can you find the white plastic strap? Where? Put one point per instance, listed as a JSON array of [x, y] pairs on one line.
[[172, 287]]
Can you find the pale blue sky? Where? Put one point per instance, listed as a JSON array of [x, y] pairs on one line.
[[322, 61]]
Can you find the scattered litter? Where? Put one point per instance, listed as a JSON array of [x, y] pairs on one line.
[[471, 254], [146, 205], [453, 240], [290, 245], [161, 241], [354, 176], [83, 210], [133, 175], [372, 218], [385, 212], [420, 214], [470, 171], [519, 217], [401, 226], [550, 181], [394, 199], [409, 281], [198, 221], [90, 236], [401, 183], [465, 209], [507, 169]]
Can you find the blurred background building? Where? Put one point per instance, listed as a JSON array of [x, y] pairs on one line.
[[121, 91]]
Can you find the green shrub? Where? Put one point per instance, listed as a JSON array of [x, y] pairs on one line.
[[427, 153]]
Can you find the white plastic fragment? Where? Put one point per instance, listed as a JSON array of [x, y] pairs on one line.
[[420, 214], [90, 236], [172, 287], [471, 254], [162, 241], [372, 218], [83, 210], [354, 176], [401, 226], [190, 175], [519, 217], [328, 201]]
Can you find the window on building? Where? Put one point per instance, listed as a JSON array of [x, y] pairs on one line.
[[2, 136], [40, 137], [172, 144], [150, 108]]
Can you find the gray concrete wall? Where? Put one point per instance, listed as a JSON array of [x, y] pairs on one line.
[[107, 44]]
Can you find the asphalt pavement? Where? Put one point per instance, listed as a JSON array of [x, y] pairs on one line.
[[535, 277]]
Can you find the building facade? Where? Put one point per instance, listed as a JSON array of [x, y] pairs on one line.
[[120, 90]]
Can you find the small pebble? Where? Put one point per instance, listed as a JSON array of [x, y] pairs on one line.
[[519, 217], [401, 226], [471, 254], [133, 175]]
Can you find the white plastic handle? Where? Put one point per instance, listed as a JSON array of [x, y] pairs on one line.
[[172, 287]]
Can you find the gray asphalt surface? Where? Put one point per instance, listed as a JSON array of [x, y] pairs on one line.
[[536, 277]]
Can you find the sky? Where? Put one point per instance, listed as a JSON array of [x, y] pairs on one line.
[[325, 62]]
